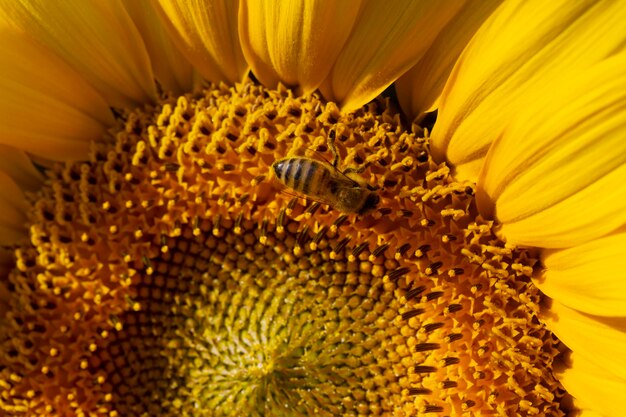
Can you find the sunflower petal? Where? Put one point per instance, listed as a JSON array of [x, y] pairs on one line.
[[419, 89], [13, 207], [560, 183], [96, 38], [17, 174], [295, 42], [601, 340], [206, 33], [55, 120], [7, 261], [521, 43], [594, 388], [585, 412], [171, 69], [388, 39], [20, 168], [589, 277]]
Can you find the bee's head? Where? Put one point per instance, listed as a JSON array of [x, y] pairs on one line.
[[370, 203]]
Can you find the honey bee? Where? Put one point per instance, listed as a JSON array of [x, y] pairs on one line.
[[322, 181]]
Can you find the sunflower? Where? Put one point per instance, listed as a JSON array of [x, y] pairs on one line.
[[152, 264]]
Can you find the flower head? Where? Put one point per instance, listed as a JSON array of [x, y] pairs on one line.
[[165, 271]]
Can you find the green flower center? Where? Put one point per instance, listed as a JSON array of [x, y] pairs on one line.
[[170, 275]]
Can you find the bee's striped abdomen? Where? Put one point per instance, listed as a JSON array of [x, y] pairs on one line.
[[303, 175]]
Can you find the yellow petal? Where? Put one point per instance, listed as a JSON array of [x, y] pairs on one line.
[[206, 33], [17, 165], [7, 261], [601, 340], [96, 38], [557, 176], [589, 277], [17, 174], [523, 42], [419, 89], [389, 38], [587, 413], [295, 42], [46, 108], [594, 388], [13, 207], [171, 69]]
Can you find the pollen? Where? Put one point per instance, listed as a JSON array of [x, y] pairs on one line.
[[171, 275]]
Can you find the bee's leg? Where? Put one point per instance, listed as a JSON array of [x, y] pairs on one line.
[[355, 170], [331, 146]]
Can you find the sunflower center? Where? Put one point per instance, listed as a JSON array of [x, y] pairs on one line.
[[172, 275]]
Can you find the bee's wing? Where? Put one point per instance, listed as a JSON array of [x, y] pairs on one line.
[[341, 182], [283, 189], [308, 198], [349, 182]]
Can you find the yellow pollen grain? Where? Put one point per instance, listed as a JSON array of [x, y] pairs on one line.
[[180, 277]]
